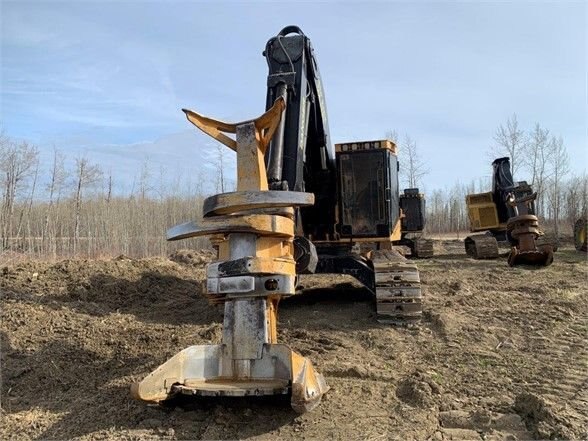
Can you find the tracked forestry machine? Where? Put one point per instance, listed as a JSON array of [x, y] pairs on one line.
[[506, 214], [302, 205]]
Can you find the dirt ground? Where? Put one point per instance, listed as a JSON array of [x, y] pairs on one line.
[[501, 354]]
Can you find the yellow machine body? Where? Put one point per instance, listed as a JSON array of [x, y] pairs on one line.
[[482, 212]]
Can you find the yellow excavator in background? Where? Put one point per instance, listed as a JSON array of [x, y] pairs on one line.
[[302, 205], [507, 213]]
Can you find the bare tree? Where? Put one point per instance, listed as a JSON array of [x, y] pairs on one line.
[[112, 223], [17, 164], [27, 207], [145, 180], [54, 188], [162, 190], [435, 217], [392, 135], [109, 185], [537, 157], [412, 167], [560, 166], [576, 191], [220, 168], [86, 174], [583, 206], [510, 140]]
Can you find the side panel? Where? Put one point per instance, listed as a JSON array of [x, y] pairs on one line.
[[413, 205], [393, 189], [482, 211]]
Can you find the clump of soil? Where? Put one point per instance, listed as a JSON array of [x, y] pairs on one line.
[[417, 390], [542, 418], [191, 257]]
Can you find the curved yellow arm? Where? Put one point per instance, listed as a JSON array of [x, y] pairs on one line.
[[265, 125]]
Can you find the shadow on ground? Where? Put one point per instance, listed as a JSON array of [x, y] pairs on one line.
[[90, 393]]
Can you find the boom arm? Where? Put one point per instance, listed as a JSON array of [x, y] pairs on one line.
[[502, 186], [504, 189], [301, 156]]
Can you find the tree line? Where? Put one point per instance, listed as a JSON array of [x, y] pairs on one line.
[[75, 211], [56, 209]]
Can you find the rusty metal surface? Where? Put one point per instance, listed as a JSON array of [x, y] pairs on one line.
[[279, 226], [234, 388], [525, 231], [228, 203], [308, 386], [251, 265], [245, 330], [542, 256], [206, 370]]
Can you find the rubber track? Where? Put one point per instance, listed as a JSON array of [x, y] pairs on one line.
[[485, 247], [423, 248], [398, 288]]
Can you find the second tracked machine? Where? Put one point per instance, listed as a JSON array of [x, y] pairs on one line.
[[506, 214], [302, 205], [412, 204]]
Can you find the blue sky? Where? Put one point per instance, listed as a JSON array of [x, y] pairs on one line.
[[109, 78]]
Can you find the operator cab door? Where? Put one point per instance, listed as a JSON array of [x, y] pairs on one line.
[[368, 192]]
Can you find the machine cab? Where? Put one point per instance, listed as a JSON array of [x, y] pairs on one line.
[[368, 189]]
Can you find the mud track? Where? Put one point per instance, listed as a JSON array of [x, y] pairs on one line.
[[501, 354]]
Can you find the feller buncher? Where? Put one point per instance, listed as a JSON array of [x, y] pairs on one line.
[[506, 214], [302, 205]]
